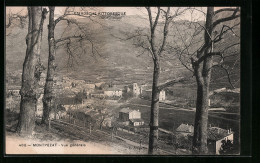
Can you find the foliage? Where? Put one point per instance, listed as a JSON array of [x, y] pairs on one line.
[[127, 95], [184, 142], [79, 97], [227, 147]]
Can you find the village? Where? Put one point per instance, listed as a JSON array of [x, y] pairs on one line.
[[118, 109]]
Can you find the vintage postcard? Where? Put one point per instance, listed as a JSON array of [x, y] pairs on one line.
[[122, 80]]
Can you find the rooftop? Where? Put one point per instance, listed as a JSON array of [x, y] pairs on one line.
[[136, 120], [125, 110], [113, 89], [13, 87], [185, 128], [216, 133]]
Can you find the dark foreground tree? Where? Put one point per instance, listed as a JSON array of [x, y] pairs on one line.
[[156, 51], [202, 71], [32, 68], [215, 44], [227, 148], [49, 94], [48, 88], [154, 43]]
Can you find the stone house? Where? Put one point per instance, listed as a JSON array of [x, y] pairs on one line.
[[113, 92], [148, 94], [185, 130], [215, 137], [129, 116]]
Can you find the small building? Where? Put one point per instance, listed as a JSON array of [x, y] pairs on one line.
[[215, 137], [136, 122], [97, 95], [162, 96], [58, 115], [185, 130], [148, 94], [129, 116], [14, 90], [134, 89], [113, 92]]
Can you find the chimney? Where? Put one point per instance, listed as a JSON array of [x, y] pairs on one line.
[[218, 130], [228, 131], [210, 125], [189, 128]]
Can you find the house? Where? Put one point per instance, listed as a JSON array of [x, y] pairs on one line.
[[107, 122], [89, 87], [14, 90], [215, 137], [129, 116], [148, 94], [97, 95], [136, 122], [58, 115], [185, 130], [134, 89], [113, 92]]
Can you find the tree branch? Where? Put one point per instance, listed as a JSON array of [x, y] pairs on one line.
[[156, 19], [170, 83], [232, 17], [165, 30], [225, 9], [222, 32], [206, 56], [228, 75], [67, 38], [222, 51]]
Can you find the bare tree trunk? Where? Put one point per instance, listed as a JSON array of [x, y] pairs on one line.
[[201, 121], [203, 74], [31, 72], [154, 119], [48, 97]]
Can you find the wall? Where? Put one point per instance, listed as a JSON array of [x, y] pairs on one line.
[[113, 93], [162, 96], [218, 143], [135, 115], [123, 116]]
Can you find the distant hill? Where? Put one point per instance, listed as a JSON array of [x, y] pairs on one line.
[[119, 60]]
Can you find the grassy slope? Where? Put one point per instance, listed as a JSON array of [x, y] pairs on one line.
[[118, 62]]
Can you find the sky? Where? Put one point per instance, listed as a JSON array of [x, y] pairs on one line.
[[196, 15], [128, 10]]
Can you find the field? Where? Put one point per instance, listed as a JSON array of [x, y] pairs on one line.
[[171, 117]]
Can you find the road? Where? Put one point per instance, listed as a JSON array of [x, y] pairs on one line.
[[78, 132]]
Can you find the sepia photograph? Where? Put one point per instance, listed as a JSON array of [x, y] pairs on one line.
[[122, 80]]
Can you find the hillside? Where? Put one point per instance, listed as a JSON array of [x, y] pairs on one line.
[[118, 60]]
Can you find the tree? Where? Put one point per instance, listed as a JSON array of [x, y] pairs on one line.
[[80, 97], [32, 68], [12, 19], [65, 42], [156, 52], [155, 45], [48, 88], [201, 62], [226, 147]]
